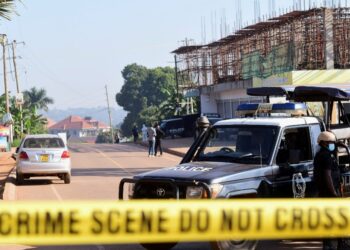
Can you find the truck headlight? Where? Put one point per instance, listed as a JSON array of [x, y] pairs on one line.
[[197, 192], [193, 192]]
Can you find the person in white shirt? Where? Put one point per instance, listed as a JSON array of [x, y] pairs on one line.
[[151, 133], [144, 133]]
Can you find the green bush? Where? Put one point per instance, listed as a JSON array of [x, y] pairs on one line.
[[104, 137], [16, 143]]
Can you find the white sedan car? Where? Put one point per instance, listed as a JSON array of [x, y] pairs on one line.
[[43, 155]]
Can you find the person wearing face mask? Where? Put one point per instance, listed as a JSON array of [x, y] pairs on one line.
[[327, 176], [326, 169]]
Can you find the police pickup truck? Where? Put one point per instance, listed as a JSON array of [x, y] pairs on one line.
[[268, 152]]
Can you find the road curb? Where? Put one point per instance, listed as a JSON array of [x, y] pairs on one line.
[[9, 187], [7, 166], [173, 152]]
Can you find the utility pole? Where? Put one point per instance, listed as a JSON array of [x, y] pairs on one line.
[[110, 117], [17, 83], [3, 44], [177, 87]]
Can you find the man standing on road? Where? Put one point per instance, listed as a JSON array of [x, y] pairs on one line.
[[151, 133], [135, 133], [159, 136], [327, 177]]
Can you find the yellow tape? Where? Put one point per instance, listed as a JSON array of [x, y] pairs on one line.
[[42, 223]]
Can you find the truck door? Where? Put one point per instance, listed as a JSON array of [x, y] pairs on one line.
[[294, 159]]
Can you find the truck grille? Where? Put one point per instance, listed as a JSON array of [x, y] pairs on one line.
[[157, 190]]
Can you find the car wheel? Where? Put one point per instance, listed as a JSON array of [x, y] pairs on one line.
[[67, 178], [235, 244], [160, 246], [19, 178]]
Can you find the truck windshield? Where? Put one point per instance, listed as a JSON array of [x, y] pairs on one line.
[[242, 144]]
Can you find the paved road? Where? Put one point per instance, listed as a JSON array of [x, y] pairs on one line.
[[96, 172]]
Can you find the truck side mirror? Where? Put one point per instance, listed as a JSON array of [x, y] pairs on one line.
[[289, 169]]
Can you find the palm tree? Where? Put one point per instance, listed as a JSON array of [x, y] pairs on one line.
[[7, 7], [36, 98]]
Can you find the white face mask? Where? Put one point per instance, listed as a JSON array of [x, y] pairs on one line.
[[331, 147]]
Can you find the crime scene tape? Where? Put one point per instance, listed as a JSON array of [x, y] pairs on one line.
[[144, 221]]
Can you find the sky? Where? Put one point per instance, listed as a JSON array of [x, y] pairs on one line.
[[73, 49]]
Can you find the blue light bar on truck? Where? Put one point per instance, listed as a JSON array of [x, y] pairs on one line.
[[295, 109]]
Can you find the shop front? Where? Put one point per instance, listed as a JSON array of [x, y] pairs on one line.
[[4, 139]]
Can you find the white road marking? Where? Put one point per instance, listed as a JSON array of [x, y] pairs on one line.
[[129, 149], [113, 161], [58, 196], [99, 247]]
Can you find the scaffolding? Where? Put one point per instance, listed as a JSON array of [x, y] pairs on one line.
[[293, 41], [341, 22]]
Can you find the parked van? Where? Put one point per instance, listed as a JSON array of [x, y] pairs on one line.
[[173, 127], [183, 126]]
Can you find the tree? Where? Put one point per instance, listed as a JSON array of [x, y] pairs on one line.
[[130, 96], [33, 122], [149, 115], [104, 137], [143, 92], [37, 99], [7, 7], [159, 85]]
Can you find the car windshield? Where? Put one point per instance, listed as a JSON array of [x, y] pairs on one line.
[[43, 143], [242, 144]]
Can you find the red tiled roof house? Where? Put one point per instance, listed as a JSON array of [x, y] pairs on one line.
[[79, 127]]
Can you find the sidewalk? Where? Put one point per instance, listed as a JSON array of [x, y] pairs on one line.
[[6, 165], [178, 146]]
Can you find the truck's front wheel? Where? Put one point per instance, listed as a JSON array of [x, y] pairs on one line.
[[160, 246], [235, 244]]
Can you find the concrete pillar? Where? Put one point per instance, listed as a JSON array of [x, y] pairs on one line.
[[328, 24]]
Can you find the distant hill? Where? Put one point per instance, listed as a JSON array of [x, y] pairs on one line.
[[99, 113]]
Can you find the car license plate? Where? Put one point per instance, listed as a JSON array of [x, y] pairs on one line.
[[44, 158]]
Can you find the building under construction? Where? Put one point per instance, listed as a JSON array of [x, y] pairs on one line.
[[314, 40]]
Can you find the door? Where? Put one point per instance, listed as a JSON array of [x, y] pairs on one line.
[[294, 162]]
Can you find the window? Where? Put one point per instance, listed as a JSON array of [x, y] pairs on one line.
[[295, 146], [243, 144], [315, 132], [43, 143]]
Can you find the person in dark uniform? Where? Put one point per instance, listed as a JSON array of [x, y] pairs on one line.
[[159, 135], [327, 177], [135, 133]]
